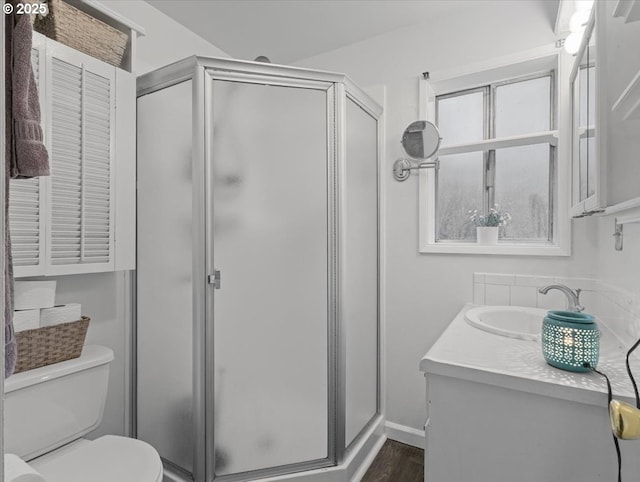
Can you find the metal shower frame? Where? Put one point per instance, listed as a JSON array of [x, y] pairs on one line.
[[202, 71]]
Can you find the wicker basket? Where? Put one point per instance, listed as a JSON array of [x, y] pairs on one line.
[[81, 31], [50, 344]]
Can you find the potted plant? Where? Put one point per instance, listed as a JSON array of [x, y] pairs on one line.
[[487, 225]]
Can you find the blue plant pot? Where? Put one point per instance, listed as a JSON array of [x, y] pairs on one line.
[[570, 341]]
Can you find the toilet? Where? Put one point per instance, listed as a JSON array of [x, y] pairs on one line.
[[48, 410]]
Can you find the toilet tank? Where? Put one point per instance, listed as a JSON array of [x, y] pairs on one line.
[[50, 406]]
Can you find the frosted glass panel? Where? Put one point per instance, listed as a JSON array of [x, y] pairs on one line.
[[461, 118], [360, 270], [522, 189], [270, 244], [523, 107], [164, 296], [459, 191]]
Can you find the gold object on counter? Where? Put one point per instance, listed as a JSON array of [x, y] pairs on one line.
[[625, 420]]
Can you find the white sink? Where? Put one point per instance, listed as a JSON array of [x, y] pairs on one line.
[[512, 321]]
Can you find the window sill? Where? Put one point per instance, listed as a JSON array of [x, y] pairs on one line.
[[498, 249]]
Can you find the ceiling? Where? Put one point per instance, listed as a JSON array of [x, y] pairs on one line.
[[290, 30]]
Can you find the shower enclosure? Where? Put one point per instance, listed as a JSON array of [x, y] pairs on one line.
[[257, 335]]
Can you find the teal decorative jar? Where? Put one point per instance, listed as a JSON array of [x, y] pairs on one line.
[[570, 340]]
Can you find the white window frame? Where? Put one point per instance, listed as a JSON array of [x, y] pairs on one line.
[[537, 61]]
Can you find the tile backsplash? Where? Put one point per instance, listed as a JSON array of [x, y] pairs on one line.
[[618, 309]]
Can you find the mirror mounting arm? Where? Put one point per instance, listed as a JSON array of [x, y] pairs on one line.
[[402, 168]]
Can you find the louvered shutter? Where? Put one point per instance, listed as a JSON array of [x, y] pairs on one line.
[[66, 165], [97, 169], [25, 216], [81, 220]]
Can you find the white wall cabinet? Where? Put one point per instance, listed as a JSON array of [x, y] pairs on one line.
[[605, 139], [72, 222]]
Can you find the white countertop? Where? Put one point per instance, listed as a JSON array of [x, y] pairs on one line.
[[469, 353]]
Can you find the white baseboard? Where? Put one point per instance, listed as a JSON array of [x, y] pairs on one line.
[[404, 434], [362, 470], [354, 467]]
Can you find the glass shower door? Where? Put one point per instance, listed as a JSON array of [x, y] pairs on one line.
[[269, 174]]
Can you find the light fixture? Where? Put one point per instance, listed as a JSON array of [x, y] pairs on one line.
[[579, 20], [570, 341], [572, 42], [577, 25]]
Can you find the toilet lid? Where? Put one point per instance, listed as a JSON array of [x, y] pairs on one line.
[[106, 459]]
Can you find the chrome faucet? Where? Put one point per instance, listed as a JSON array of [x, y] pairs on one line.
[[573, 297]]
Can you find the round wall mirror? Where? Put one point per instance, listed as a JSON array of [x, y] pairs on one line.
[[421, 139]]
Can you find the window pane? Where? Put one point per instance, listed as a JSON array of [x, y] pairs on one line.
[[461, 118], [587, 102], [522, 189], [587, 167], [523, 107], [459, 191], [591, 83]]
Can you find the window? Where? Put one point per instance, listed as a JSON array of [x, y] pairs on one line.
[[505, 125], [497, 149]]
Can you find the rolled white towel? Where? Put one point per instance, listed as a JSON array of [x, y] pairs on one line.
[[60, 314], [17, 470]]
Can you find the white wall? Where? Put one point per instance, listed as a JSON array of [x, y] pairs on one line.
[[424, 292], [619, 268], [165, 40], [102, 297]]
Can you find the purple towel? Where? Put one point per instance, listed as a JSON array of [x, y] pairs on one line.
[[29, 157], [26, 155], [9, 341]]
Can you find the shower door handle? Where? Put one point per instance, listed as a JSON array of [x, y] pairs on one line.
[[215, 279]]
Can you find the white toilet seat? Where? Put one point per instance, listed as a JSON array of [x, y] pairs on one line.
[[106, 459]]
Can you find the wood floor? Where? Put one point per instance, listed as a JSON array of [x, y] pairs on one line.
[[396, 462]]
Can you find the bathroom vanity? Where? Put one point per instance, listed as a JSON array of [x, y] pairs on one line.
[[496, 412]]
